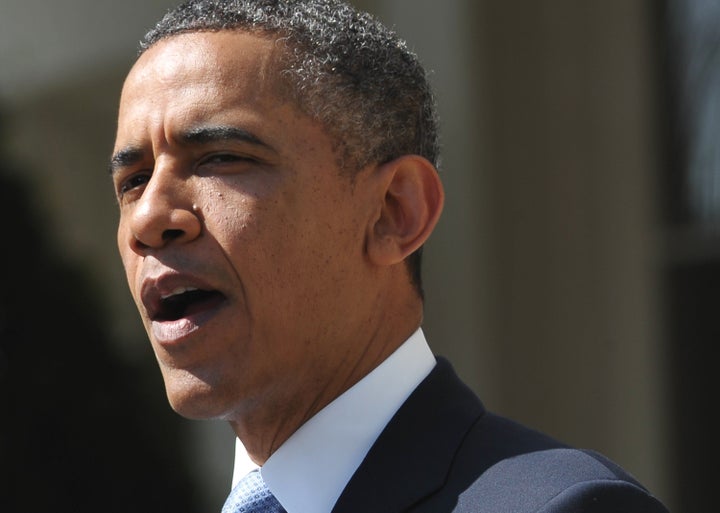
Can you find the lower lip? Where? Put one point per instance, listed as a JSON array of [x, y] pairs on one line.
[[168, 333]]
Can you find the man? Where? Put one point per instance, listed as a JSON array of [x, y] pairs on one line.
[[276, 171]]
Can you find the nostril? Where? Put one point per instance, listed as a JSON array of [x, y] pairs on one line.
[[137, 243], [172, 234]]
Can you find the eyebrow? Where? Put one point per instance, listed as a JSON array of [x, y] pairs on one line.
[[131, 155], [125, 158], [208, 134]]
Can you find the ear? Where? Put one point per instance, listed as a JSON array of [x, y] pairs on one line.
[[411, 200]]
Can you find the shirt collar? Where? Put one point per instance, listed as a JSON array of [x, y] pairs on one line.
[[311, 469]]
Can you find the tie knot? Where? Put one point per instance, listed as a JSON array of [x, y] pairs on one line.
[[251, 495]]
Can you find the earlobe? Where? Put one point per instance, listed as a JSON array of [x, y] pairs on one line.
[[410, 206]]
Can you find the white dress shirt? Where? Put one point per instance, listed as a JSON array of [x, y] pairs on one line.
[[309, 471]]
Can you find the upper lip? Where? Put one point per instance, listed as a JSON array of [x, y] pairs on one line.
[[155, 289]]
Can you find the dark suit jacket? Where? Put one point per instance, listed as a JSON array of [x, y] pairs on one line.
[[443, 452]]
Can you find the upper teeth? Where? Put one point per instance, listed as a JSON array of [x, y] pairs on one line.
[[178, 291]]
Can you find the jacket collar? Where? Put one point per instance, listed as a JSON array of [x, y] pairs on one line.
[[421, 440]]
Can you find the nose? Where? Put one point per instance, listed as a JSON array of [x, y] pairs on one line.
[[164, 214]]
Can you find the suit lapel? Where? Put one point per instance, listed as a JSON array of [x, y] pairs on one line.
[[411, 458]]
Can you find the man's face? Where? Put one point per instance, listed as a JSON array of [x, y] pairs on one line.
[[242, 241]]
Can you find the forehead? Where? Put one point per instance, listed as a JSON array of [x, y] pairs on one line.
[[223, 78], [222, 53], [219, 66]]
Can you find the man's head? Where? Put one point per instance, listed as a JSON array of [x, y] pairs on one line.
[[270, 275], [340, 66]]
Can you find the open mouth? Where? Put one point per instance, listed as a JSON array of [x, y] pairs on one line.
[[186, 303]]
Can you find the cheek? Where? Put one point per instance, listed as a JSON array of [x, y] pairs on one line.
[[226, 207], [235, 227]]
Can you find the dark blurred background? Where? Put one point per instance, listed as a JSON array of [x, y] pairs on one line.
[[573, 278]]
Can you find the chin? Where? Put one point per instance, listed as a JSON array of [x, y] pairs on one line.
[[194, 399]]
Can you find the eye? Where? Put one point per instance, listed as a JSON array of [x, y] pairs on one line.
[[136, 180], [223, 159]]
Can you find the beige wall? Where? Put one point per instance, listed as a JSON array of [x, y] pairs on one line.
[[542, 277]]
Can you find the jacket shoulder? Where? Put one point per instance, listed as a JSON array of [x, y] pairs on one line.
[[556, 480]]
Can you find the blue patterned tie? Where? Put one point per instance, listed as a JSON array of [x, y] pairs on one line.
[[251, 495]]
